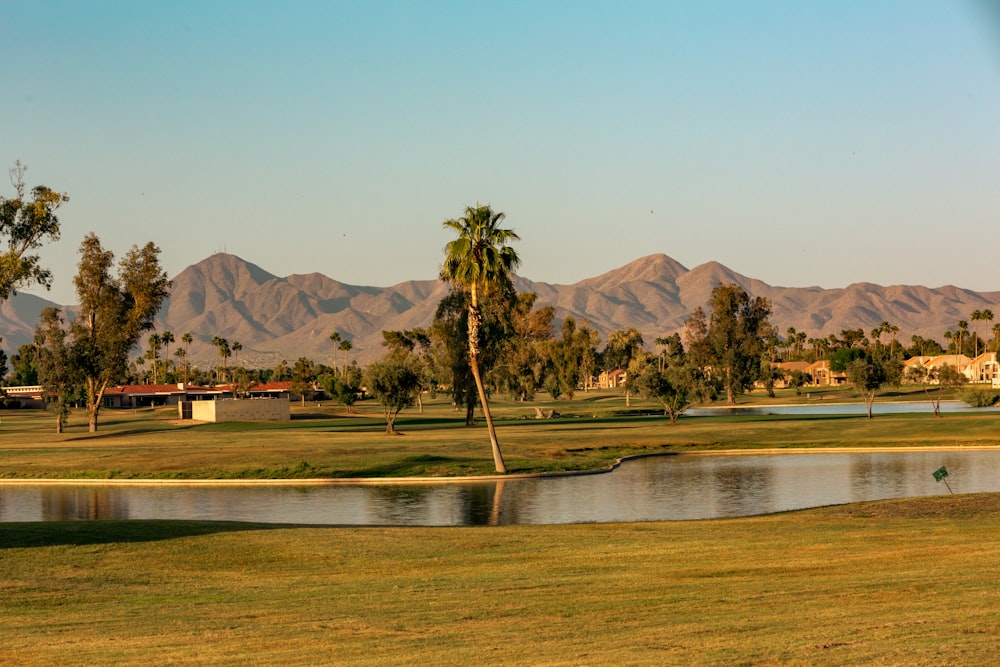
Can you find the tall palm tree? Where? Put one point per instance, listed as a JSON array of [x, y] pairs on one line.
[[335, 339], [976, 316], [166, 338], [187, 339], [963, 328], [345, 346], [154, 352], [980, 316], [477, 260]]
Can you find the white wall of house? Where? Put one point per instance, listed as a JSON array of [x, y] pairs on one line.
[[240, 410]]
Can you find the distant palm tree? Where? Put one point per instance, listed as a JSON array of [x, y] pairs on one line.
[[951, 337], [477, 260], [222, 347], [187, 339], [345, 346], [335, 339], [154, 352], [963, 328], [980, 316], [166, 338], [237, 346]]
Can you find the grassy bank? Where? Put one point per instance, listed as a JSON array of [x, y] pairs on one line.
[[324, 441], [896, 582]]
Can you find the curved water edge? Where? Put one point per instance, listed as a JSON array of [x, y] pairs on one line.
[[705, 485], [471, 479]]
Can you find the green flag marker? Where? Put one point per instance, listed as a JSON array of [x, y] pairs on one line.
[[939, 476]]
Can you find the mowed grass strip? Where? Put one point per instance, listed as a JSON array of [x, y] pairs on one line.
[[325, 442], [895, 582]]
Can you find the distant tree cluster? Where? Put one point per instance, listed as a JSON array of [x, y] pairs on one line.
[[486, 338]]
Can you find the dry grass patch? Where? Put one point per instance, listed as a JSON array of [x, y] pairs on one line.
[[895, 582]]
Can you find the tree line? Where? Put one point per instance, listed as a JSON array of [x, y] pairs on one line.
[[485, 339]]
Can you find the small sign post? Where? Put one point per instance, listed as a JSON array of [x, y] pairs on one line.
[[941, 475]]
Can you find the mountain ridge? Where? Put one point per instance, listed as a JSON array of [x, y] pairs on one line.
[[283, 318]]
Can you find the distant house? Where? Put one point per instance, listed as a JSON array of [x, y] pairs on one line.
[[787, 368], [984, 368], [30, 396], [612, 379], [824, 376], [151, 395], [959, 362], [818, 371], [271, 390]]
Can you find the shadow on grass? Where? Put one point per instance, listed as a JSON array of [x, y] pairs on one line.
[[415, 466], [79, 533], [106, 434]]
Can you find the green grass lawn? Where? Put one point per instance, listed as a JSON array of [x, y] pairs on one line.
[[325, 441], [896, 582]]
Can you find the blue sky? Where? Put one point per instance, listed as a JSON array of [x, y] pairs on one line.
[[801, 143]]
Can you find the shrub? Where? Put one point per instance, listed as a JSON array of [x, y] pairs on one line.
[[978, 397]]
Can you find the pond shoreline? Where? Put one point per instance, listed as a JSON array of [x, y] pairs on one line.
[[415, 481]]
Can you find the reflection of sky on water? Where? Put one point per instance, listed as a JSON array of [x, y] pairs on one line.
[[652, 489]]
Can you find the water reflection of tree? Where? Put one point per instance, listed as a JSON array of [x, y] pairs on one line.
[[742, 485], [400, 505], [72, 503]]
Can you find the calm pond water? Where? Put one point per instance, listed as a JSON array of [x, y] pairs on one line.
[[837, 409], [650, 489]]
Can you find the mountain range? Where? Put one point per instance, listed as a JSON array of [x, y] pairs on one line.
[[283, 318]]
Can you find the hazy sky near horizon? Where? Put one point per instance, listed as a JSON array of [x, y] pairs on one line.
[[800, 143]]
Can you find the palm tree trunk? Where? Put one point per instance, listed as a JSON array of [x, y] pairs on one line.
[[474, 319], [497, 455]]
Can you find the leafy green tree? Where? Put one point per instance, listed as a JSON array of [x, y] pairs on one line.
[[869, 374], [393, 380], [524, 354], [624, 350], [479, 260], [674, 380], [934, 381], [3, 365], [921, 346], [242, 382], [55, 373], [303, 377], [769, 376], [798, 379], [417, 341], [572, 357], [282, 372], [24, 366], [732, 341], [343, 387], [114, 312], [26, 225]]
